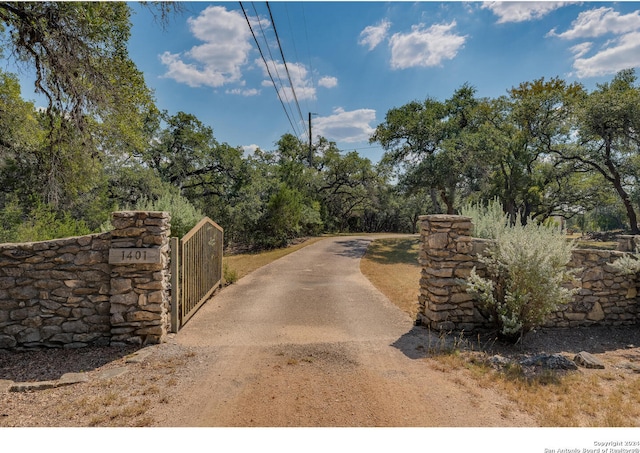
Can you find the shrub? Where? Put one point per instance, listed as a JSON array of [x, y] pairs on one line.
[[486, 219], [44, 223], [627, 264], [230, 276], [525, 276], [184, 215], [282, 219]]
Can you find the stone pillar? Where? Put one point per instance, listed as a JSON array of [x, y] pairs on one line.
[[139, 258], [447, 257]]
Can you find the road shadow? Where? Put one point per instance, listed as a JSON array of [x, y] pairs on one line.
[[404, 250], [420, 342], [51, 364], [352, 248]]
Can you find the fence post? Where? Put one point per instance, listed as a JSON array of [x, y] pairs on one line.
[[175, 284]]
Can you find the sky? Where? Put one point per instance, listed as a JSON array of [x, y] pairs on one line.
[[348, 63]]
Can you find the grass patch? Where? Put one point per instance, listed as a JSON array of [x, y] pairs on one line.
[[237, 266], [392, 266]]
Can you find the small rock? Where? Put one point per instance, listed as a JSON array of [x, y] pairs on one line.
[[5, 385], [111, 373], [550, 362], [138, 356], [28, 386], [631, 366], [498, 360], [587, 360], [73, 378]]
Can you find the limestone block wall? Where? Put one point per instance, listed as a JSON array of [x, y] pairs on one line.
[[448, 253], [100, 289], [604, 297], [55, 293], [447, 256], [139, 286]]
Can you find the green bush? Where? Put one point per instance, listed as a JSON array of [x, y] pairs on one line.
[[526, 269], [487, 220], [230, 276], [44, 223], [184, 215], [282, 219]]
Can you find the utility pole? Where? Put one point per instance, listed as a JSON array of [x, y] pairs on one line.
[[310, 143]]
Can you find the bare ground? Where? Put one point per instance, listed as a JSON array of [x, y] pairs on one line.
[[289, 385]]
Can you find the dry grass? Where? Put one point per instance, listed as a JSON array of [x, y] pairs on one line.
[[589, 398], [392, 266], [586, 398]]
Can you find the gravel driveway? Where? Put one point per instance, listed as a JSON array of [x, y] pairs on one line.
[[308, 341]]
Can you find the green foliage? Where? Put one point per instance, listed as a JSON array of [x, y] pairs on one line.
[[42, 223], [628, 264], [229, 275], [431, 141], [526, 269], [184, 216], [487, 220], [311, 219], [282, 218]]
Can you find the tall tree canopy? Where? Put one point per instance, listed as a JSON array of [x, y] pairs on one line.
[[428, 139]]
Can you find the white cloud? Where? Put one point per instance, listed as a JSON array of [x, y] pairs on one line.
[[425, 47], [350, 127], [600, 21], [244, 91], [623, 54], [521, 11], [581, 49], [614, 54], [328, 82], [249, 149], [373, 35], [219, 60], [300, 78]]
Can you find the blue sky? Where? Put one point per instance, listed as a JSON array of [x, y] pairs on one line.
[[350, 62]]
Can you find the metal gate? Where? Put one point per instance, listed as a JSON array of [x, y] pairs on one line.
[[196, 270]]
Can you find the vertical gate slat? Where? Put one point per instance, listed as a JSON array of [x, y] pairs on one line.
[[200, 267]]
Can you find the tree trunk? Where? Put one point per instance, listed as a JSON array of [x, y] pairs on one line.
[[631, 213], [434, 199], [624, 196]]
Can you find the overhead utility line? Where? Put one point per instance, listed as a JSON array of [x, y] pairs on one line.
[[268, 70], [285, 64], [275, 67]]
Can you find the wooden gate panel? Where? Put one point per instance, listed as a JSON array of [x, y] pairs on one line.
[[196, 270]]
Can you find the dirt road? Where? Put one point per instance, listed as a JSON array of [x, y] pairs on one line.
[[308, 341]]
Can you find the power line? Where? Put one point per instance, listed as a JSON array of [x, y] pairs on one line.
[[306, 34], [275, 66], [285, 64], [268, 70], [295, 49]]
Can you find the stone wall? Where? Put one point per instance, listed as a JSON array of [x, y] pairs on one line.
[[70, 293], [604, 297], [55, 293], [140, 299], [448, 253]]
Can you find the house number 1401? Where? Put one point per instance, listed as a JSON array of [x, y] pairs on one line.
[[134, 256]]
